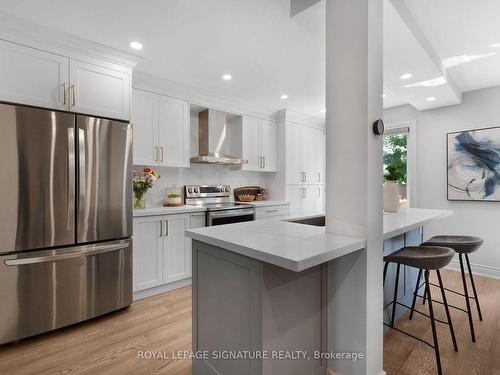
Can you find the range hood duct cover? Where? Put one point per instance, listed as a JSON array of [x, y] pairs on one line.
[[212, 143]]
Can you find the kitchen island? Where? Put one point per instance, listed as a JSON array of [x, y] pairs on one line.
[[262, 291]]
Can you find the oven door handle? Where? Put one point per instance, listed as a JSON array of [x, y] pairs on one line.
[[231, 213]]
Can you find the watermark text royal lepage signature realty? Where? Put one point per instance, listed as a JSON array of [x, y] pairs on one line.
[[249, 355]]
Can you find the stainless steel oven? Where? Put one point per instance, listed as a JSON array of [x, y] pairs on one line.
[[220, 208]]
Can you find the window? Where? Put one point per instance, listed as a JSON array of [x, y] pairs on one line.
[[396, 160]]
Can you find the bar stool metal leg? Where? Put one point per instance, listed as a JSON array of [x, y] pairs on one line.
[[394, 304], [445, 302], [474, 287], [467, 302], [415, 294], [433, 325], [385, 270]]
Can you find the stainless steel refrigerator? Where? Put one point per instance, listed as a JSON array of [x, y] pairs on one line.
[[65, 219]]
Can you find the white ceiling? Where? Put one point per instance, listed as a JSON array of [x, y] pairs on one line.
[[270, 54]]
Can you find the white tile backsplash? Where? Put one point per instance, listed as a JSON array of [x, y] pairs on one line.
[[202, 174]]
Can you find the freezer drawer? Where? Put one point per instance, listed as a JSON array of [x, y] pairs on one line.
[[48, 289], [104, 179]]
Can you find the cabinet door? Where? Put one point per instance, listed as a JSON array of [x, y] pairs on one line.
[[320, 157], [269, 145], [148, 253], [319, 203], [174, 132], [294, 196], [176, 248], [30, 76], [99, 91], [293, 152], [309, 200], [308, 155], [144, 118], [250, 143], [197, 220]]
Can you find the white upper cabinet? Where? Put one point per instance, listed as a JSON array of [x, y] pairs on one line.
[[144, 118], [259, 144], [161, 130], [99, 91], [250, 143], [269, 145], [305, 155], [173, 126], [34, 77]]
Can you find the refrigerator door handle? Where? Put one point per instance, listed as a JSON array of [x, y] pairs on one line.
[[81, 170], [71, 178], [84, 251]]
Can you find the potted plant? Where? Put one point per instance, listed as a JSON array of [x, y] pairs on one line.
[[142, 181], [395, 163]]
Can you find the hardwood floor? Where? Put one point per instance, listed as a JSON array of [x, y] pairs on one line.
[[110, 344], [405, 356]]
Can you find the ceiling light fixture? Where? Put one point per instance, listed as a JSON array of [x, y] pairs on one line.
[[383, 96], [463, 59], [284, 97], [323, 110], [227, 77], [431, 98], [406, 76], [135, 45]]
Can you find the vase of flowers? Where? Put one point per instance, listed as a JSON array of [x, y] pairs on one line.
[[142, 181]]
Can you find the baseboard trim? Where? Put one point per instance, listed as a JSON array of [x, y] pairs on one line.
[[160, 289], [477, 269]]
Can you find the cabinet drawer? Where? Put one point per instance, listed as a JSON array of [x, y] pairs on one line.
[[270, 211]]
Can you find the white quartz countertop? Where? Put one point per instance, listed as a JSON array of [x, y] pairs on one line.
[[153, 211], [298, 246], [410, 218]]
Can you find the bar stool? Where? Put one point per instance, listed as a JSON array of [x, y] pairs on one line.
[[463, 245], [424, 258]]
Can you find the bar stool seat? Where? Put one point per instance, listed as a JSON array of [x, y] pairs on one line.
[[428, 257], [461, 244]]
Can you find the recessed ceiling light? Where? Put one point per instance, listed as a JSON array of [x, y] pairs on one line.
[[406, 76], [383, 96], [495, 45], [227, 77], [323, 110], [284, 96], [429, 83], [135, 45], [431, 98]]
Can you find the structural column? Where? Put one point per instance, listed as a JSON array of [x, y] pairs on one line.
[[354, 180]]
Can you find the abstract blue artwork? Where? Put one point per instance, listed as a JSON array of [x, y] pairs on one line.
[[474, 165]]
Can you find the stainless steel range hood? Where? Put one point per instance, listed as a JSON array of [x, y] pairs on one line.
[[212, 139]]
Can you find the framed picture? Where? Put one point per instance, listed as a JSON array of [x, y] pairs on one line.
[[474, 165]]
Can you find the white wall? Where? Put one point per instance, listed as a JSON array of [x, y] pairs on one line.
[[479, 109]]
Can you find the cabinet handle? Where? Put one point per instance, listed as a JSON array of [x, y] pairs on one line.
[[73, 91], [319, 192], [65, 89], [161, 228], [198, 215], [319, 176], [161, 153], [271, 211], [166, 228], [302, 192], [263, 162], [305, 176], [156, 153]]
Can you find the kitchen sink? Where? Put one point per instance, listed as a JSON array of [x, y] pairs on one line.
[[318, 221]]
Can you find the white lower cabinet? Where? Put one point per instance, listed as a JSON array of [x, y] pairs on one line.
[[162, 252], [305, 200], [271, 211], [148, 253]]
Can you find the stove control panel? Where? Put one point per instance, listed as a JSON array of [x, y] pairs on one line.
[[207, 191]]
